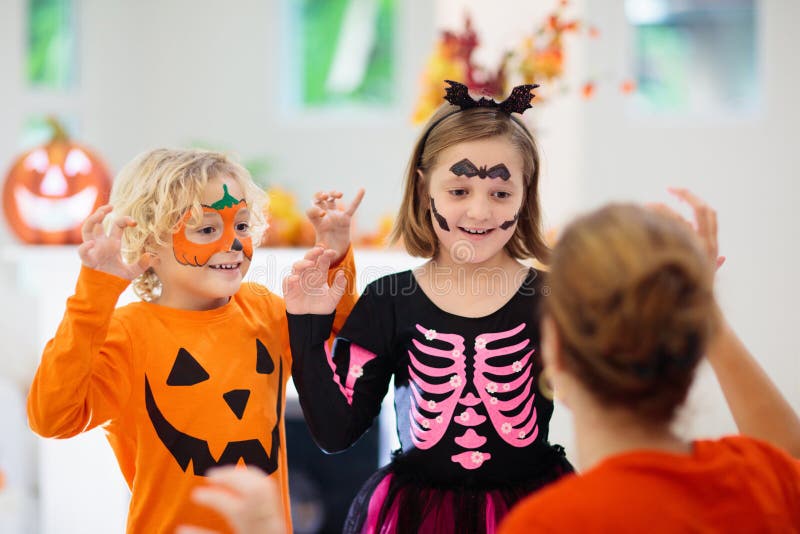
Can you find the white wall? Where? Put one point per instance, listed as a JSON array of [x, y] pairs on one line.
[[746, 168]]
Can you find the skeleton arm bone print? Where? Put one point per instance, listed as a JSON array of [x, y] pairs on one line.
[[340, 390]]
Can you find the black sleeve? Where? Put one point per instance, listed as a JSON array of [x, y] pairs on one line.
[[342, 394]]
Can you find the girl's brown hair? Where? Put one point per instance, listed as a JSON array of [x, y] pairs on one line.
[[448, 127], [631, 295]]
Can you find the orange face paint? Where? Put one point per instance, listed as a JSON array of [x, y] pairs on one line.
[[197, 249]]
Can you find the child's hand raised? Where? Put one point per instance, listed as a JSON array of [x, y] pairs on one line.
[[331, 222], [306, 290], [101, 251], [705, 221]]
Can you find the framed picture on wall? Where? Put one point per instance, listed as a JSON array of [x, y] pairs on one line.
[[695, 57], [340, 54], [51, 44]]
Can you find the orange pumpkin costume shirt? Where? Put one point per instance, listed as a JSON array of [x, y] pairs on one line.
[[176, 391], [735, 484]]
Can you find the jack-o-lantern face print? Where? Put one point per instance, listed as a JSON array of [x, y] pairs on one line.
[[225, 227], [209, 420], [51, 190]]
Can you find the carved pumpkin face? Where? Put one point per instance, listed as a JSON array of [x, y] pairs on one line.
[[51, 190], [209, 420]]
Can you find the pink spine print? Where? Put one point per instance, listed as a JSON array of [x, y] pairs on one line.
[[514, 387], [432, 417]]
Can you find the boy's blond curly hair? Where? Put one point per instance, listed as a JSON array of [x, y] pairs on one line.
[[158, 187]]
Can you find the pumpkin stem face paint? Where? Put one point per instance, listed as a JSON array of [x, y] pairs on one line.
[[219, 231]]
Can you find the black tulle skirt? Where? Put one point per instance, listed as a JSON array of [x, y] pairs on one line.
[[397, 499]]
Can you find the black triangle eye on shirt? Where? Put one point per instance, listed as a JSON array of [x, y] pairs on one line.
[[186, 371]]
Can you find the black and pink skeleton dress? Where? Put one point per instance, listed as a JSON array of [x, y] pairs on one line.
[[471, 420]]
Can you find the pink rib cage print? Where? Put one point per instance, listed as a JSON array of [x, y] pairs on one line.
[[513, 417]]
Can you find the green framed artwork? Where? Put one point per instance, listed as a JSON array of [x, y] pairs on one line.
[[343, 52], [51, 51], [695, 56]]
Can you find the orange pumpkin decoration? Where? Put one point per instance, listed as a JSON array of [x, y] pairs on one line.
[[51, 189]]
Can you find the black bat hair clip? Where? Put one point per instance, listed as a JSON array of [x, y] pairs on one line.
[[458, 95], [517, 102]]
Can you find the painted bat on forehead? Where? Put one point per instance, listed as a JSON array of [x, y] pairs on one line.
[[466, 168]]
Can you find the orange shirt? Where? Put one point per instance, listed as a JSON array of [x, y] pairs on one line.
[[176, 391], [735, 484]]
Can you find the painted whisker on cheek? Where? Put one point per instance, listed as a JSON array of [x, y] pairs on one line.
[[508, 224], [439, 218]]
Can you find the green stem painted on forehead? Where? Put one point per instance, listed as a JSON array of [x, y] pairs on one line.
[[226, 201]]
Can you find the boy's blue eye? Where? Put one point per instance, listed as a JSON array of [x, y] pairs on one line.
[[207, 230], [242, 227]]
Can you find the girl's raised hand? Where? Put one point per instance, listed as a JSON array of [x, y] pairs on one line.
[[306, 289], [705, 221], [332, 222], [245, 497], [102, 252]]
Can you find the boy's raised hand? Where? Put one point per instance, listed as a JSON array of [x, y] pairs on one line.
[[332, 222], [306, 289], [102, 252]]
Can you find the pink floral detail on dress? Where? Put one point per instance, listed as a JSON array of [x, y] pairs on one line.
[[471, 459], [470, 417]]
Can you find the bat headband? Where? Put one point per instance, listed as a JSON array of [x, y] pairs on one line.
[[458, 94]]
